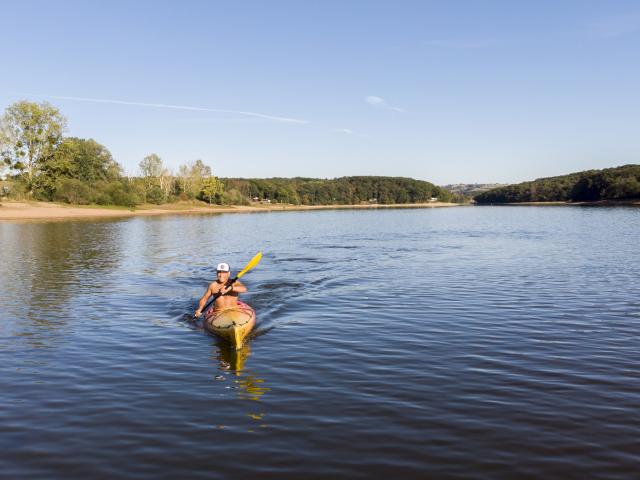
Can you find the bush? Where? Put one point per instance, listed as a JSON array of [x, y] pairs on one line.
[[155, 195], [234, 197], [16, 189], [117, 193], [73, 191]]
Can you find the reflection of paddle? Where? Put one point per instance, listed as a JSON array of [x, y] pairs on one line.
[[252, 263]]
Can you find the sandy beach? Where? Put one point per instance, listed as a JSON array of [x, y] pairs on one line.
[[19, 211]]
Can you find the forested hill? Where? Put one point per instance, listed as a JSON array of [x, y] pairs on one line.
[[617, 183], [344, 190]]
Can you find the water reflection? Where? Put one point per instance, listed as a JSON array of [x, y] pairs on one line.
[[53, 266], [247, 385], [230, 359]]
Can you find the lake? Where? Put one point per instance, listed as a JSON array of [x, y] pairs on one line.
[[473, 342]]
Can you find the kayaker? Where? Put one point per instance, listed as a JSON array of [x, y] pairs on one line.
[[228, 294]]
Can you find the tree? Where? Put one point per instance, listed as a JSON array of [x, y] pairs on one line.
[[5, 147], [58, 168], [152, 170], [29, 135], [197, 175], [92, 161], [151, 166], [183, 176], [192, 178], [77, 158], [212, 187]]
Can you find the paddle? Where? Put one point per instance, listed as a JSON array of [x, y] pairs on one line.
[[252, 263]]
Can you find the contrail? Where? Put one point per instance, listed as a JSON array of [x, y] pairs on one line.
[[176, 107]]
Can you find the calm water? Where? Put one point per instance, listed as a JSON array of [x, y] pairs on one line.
[[486, 342]]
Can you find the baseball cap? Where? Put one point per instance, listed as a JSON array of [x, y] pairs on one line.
[[223, 267]]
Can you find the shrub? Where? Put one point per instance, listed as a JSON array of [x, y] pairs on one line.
[[16, 189], [73, 191], [234, 197], [117, 193], [155, 195]]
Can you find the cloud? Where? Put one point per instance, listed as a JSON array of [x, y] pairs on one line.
[[617, 25], [218, 120], [348, 131], [381, 103], [262, 116], [372, 100]]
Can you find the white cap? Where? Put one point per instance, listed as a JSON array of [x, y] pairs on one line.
[[223, 267]]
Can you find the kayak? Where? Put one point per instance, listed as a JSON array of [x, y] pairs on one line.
[[233, 324]]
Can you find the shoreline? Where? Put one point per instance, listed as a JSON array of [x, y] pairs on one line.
[[594, 203], [31, 210]]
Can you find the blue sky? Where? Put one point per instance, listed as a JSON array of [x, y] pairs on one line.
[[450, 91]]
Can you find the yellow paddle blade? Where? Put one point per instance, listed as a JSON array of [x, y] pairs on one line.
[[254, 261]]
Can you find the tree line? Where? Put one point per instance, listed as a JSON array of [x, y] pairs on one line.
[[617, 183], [43, 164], [337, 191]]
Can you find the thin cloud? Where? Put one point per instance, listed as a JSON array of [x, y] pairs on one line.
[[219, 120], [617, 25], [178, 107], [379, 102], [373, 100], [348, 131]]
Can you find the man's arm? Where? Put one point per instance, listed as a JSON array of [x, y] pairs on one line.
[[203, 301]]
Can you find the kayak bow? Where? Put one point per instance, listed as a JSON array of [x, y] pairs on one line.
[[233, 324]]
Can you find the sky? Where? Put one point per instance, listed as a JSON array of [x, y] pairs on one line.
[[443, 91]]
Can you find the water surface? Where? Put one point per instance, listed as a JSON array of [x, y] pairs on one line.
[[495, 342]]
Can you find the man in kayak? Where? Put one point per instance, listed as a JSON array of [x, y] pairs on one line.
[[228, 293]]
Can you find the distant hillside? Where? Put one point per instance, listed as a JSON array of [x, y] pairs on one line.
[[471, 189], [617, 183], [344, 190]]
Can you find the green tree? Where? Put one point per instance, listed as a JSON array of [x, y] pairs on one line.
[[212, 188], [152, 171], [59, 167], [191, 178], [77, 158], [92, 162], [198, 173], [29, 135]]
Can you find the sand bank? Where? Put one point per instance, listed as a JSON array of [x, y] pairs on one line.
[[18, 211]]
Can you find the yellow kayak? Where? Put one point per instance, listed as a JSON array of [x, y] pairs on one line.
[[233, 324]]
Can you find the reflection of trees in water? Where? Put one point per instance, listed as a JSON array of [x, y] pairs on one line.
[[47, 266], [247, 385]]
